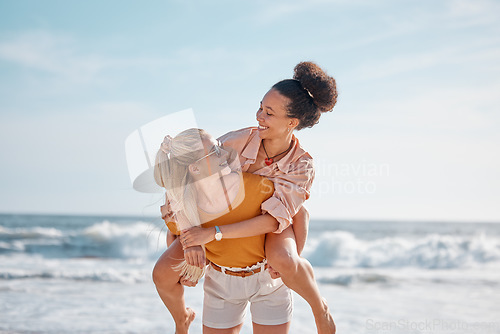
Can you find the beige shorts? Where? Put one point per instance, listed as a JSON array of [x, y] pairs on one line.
[[227, 297]]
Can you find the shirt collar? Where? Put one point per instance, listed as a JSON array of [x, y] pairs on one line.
[[252, 149], [284, 163]]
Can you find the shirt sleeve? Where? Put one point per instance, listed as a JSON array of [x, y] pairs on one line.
[[234, 143], [236, 139], [290, 191]]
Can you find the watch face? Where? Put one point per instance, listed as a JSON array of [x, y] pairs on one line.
[[218, 233]]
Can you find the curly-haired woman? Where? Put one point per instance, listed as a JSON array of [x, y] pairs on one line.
[[273, 151]]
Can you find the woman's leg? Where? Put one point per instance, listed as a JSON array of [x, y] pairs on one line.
[[268, 329], [234, 330], [300, 228], [170, 290], [297, 273]]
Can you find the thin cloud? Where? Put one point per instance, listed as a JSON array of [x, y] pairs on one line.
[[467, 13], [477, 51], [52, 53], [275, 11], [60, 56], [452, 110]]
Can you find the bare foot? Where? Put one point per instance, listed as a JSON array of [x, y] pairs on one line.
[[324, 321], [184, 328]]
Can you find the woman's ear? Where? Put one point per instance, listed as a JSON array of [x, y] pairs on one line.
[[194, 169], [294, 122]]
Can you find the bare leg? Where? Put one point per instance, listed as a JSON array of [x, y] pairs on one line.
[[297, 273], [170, 290], [300, 228], [268, 329], [234, 330]]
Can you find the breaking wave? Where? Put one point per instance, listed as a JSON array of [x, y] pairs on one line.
[[433, 251], [101, 240]]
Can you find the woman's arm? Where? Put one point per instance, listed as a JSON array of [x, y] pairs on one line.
[[261, 224], [291, 190]]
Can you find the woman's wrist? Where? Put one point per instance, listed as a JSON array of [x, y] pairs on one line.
[[211, 232]]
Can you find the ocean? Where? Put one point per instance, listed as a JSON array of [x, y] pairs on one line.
[[82, 274]]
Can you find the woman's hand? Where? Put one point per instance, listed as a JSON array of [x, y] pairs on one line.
[[195, 256], [184, 281], [196, 236], [166, 211], [273, 273]]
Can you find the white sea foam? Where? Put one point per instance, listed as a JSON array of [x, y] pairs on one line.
[[93, 275], [337, 249], [344, 249], [102, 240]]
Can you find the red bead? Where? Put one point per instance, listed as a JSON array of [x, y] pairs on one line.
[[268, 161]]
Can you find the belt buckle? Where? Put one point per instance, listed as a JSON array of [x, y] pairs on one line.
[[247, 273]]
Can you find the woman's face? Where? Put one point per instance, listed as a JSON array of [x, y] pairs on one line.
[[214, 158], [272, 116]]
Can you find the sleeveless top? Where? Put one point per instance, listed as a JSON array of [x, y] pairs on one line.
[[238, 252]]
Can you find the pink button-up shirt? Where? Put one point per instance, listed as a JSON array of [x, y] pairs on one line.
[[292, 175]]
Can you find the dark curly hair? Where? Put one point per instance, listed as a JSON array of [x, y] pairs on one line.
[[311, 92]]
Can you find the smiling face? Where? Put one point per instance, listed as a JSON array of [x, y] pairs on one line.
[[272, 116]]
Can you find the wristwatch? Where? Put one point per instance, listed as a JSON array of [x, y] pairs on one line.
[[218, 233]]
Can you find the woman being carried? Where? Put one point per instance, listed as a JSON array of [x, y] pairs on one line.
[[272, 150], [201, 188]]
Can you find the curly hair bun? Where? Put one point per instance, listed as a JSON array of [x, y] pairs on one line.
[[322, 87]]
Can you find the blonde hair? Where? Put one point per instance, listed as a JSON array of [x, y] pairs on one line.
[[172, 173]]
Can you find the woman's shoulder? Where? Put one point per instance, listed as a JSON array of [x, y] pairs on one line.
[[299, 155]]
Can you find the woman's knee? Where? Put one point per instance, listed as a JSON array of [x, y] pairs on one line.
[[283, 259], [281, 250], [164, 272], [158, 273]]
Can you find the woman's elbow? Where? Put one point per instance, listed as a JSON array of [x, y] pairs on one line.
[[271, 224]]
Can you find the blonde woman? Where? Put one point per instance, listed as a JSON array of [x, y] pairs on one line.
[[201, 188]]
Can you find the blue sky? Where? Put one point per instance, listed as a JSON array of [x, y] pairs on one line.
[[414, 136]]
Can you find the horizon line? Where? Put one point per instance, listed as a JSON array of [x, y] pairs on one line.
[[333, 219]]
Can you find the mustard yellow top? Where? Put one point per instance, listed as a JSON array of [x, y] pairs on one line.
[[238, 252]]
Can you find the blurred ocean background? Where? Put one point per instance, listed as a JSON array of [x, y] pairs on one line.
[[84, 274]]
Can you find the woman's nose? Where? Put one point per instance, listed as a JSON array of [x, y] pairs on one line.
[[259, 114]]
